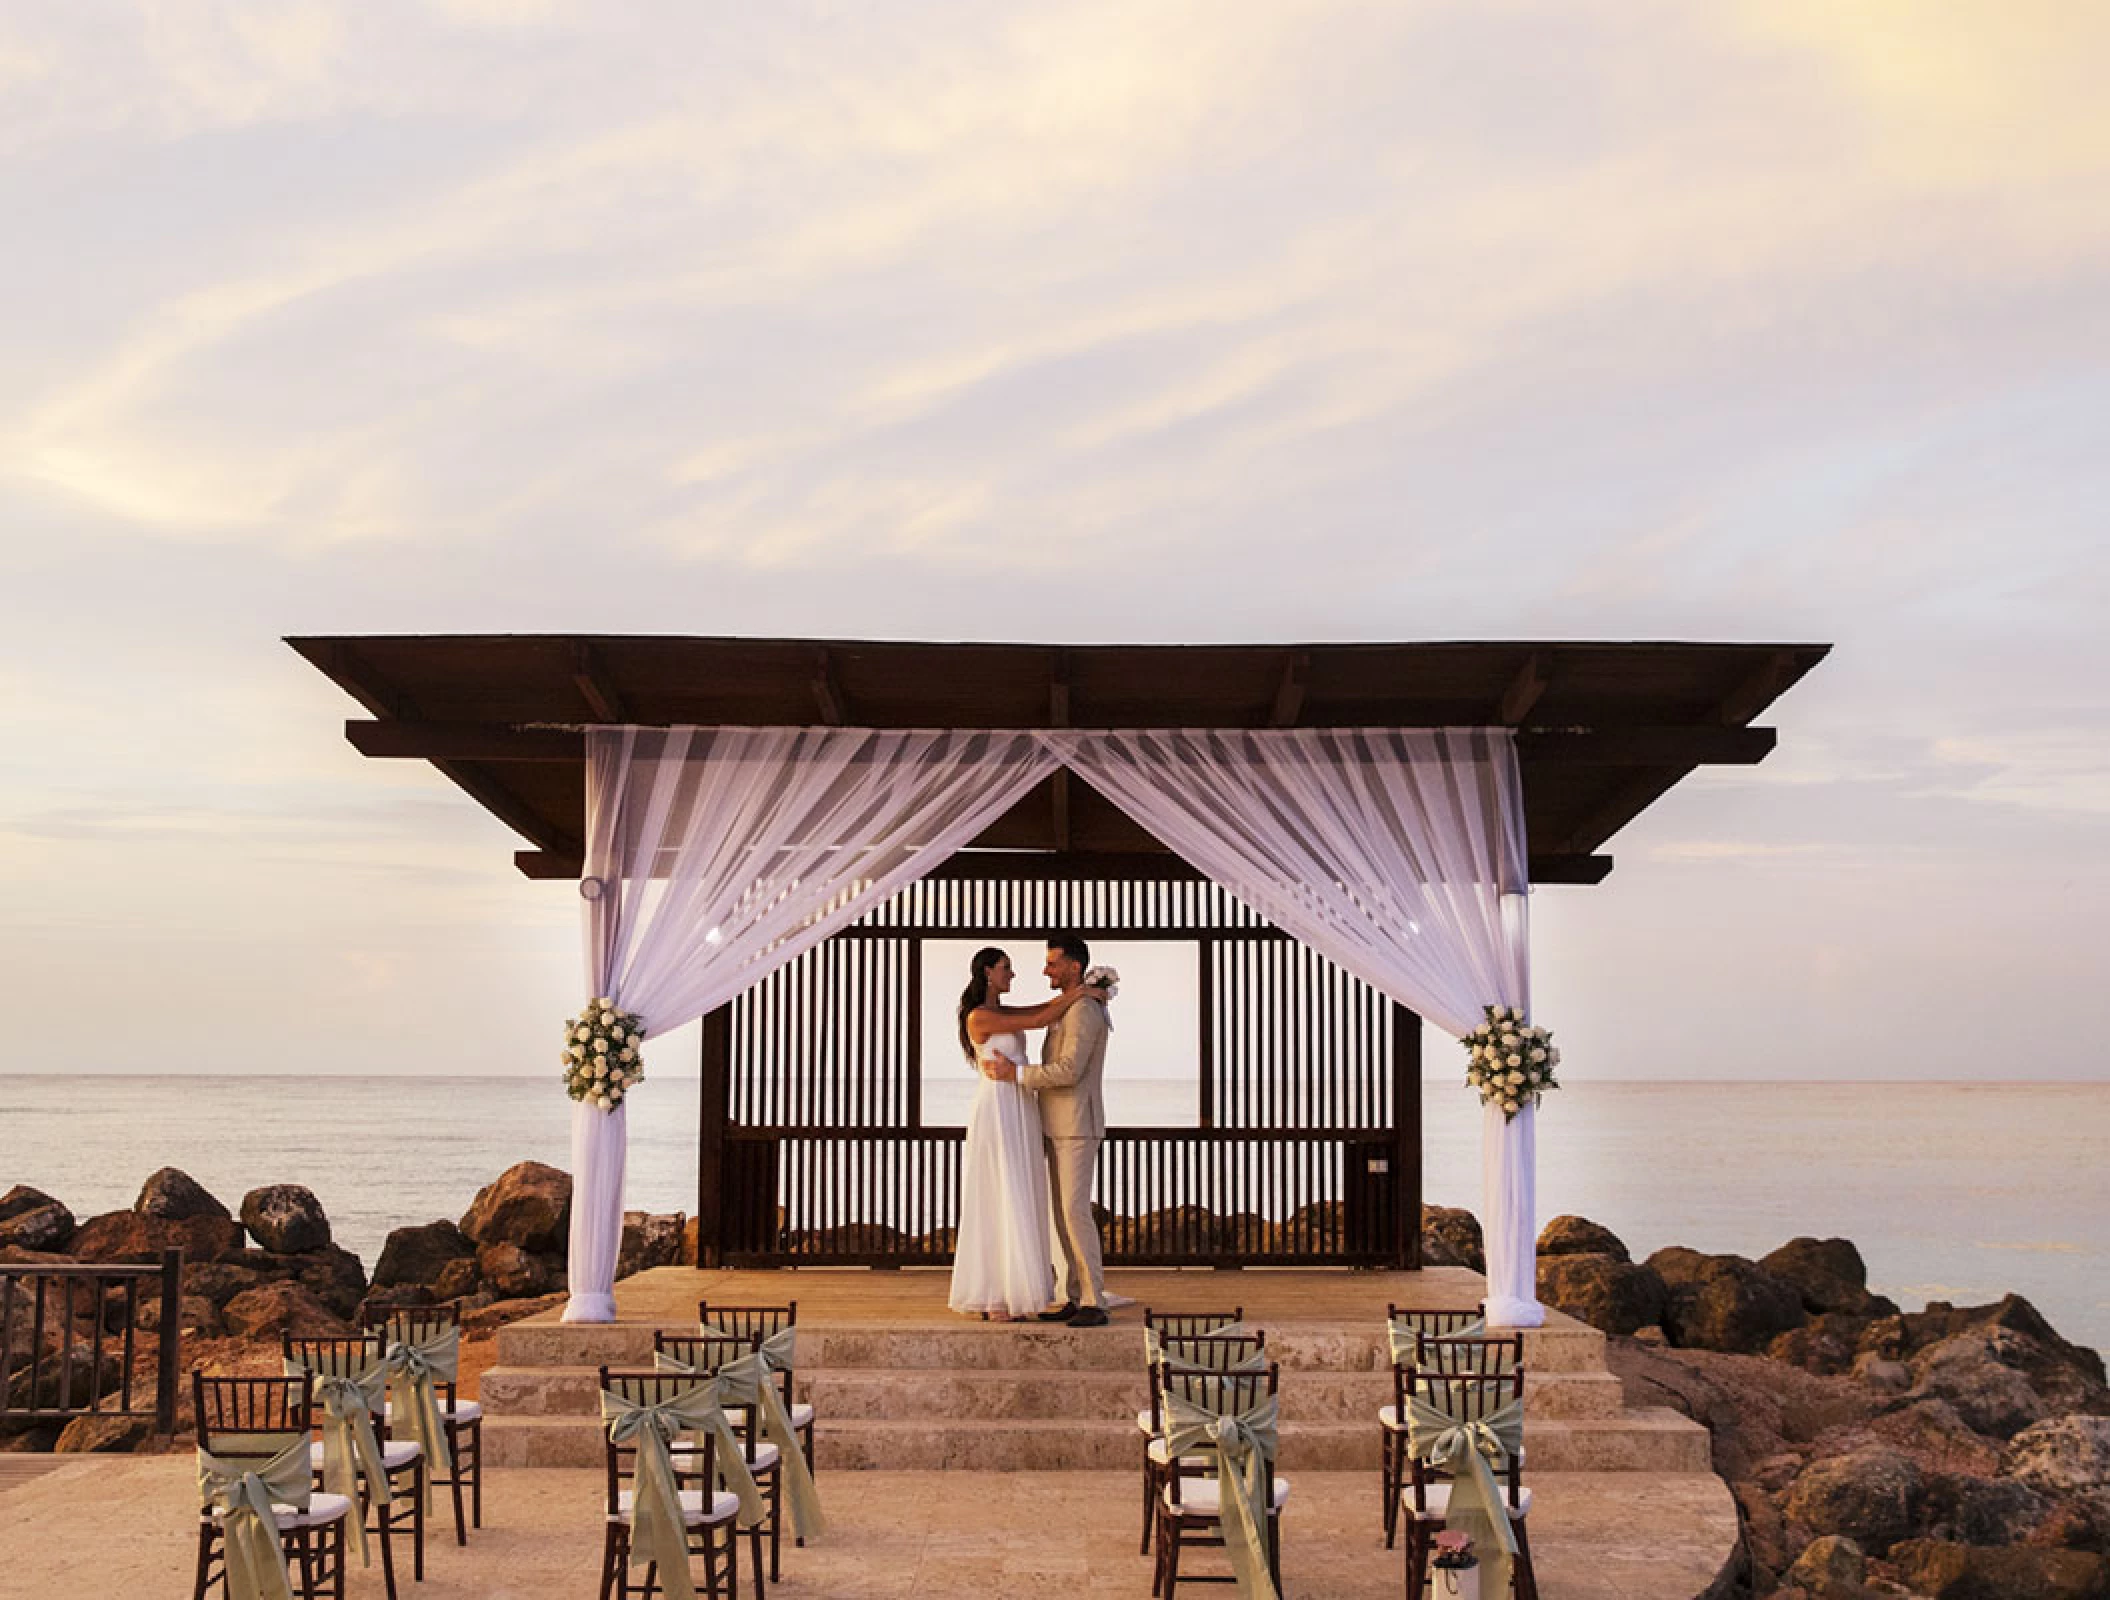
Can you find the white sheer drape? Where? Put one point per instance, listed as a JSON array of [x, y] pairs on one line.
[[1397, 853], [715, 855]]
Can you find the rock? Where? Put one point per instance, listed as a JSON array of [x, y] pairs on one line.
[[281, 1308], [1944, 1570], [512, 1273], [137, 1236], [1879, 1372], [1828, 1345], [1450, 1237], [1832, 1565], [1975, 1510], [1871, 1496], [2076, 1522], [194, 1315], [332, 1272], [220, 1281], [60, 1385], [32, 1220], [648, 1241], [2068, 1376], [1930, 1431], [459, 1279], [29, 1438], [2062, 1455], [1829, 1275], [285, 1218], [175, 1195], [1723, 1302], [1608, 1292], [103, 1435], [416, 1255], [529, 1205], [1578, 1236], [1175, 1230], [1979, 1372]]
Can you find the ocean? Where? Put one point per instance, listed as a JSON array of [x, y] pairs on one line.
[[1955, 1192]]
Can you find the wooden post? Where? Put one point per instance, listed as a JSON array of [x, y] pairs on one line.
[[169, 1349], [714, 1111], [1406, 1138]]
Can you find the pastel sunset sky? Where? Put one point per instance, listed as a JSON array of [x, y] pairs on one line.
[[1156, 320]]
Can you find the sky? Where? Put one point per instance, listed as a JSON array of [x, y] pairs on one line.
[[1152, 321]]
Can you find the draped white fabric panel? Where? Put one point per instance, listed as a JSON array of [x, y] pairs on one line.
[[715, 855], [1397, 853]]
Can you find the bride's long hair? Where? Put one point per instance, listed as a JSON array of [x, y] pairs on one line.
[[976, 994]]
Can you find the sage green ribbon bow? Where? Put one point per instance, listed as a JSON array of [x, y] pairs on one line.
[[1155, 1343], [658, 1532], [244, 1493], [1470, 1451], [416, 1367], [729, 1460], [748, 1381], [1405, 1338], [350, 1448], [1244, 1444]]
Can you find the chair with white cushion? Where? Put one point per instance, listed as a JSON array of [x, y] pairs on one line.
[[1212, 1350], [402, 1460], [463, 1419], [1406, 1328], [704, 1355], [1192, 1507], [776, 1327], [709, 1515], [253, 1425], [1427, 1495]]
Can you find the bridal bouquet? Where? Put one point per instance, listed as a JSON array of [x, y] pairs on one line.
[[1103, 978], [1509, 1060], [601, 1058]]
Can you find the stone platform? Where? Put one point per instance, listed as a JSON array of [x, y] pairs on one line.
[[903, 1385]]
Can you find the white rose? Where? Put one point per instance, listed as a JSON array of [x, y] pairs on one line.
[[1514, 1078], [600, 1045], [1514, 1061], [578, 1052], [629, 1053], [1539, 1053], [1509, 1106], [582, 1034]]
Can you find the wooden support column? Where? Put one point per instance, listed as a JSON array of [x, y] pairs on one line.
[[714, 1115], [1406, 1138]]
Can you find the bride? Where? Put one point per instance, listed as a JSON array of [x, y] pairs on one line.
[[1002, 1268]]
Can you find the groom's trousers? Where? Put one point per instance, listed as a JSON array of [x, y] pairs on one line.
[[1071, 1163]]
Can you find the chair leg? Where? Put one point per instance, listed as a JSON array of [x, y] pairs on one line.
[[1391, 1474], [387, 1521], [1525, 1579], [1274, 1551], [476, 1481], [421, 1493], [1418, 1560], [204, 1558], [1149, 1499], [1169, 1537], [454, 1450]]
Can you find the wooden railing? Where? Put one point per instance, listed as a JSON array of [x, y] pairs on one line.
[[69, 1344], [1173, 1196]]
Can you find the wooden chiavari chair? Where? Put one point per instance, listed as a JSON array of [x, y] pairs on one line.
[[1392, 1430], [1213, 1351], [765, 1323], [709, 1514], [403, 1460], [706, 1353], [248, 1421], [1190, 1499], [1425, 1497], [464, 1419]]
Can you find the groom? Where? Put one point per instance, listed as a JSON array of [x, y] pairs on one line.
[[1073, 1121]]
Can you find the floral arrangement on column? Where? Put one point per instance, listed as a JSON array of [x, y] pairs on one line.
[[602, 1054], [1510, 1061]]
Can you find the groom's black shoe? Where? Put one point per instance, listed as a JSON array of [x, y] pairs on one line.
[[1060, 1314], [1089, 1317]]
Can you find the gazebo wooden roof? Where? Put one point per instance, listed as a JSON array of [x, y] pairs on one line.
[[1603, 729]]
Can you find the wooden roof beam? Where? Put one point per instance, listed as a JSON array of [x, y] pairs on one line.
[[1760, 688], [1524, 691], [1289, 693], [1648, 747], [589, 673], [828, 690]]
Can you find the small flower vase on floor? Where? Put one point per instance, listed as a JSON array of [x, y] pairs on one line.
[[1456, 1574]]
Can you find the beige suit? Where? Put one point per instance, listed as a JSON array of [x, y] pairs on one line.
[[1073, 1119]]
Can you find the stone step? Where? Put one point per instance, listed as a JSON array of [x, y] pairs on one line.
[[1640, 1441], [974, 1394], [1012, 1347]]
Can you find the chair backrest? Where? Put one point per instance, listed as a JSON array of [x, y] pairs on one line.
[[1225, 1393], [693, 1455], [706, 1352], [1189, 1324], [749, 1322], [1436, 1324], [334, 1356], [1483, 1356], [411, 1322], [1469, 1397], [1208, 1353], [237, 1416]]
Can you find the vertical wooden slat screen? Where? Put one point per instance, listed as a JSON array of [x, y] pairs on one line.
[[1299, 1155]]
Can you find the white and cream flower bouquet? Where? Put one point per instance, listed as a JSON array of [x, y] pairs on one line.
[[1510, 1061], [1103, 978], [603, 1054]]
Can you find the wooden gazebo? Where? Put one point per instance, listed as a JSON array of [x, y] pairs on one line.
[[812, 1147]]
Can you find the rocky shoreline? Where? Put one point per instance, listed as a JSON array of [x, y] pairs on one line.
[[1951, 1453]]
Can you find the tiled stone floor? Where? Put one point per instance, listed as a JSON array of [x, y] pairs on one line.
[[124, 1524]]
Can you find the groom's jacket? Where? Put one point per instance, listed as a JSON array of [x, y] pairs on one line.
[[1072, 1105]]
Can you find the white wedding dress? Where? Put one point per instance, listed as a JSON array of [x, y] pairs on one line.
[[1001, 1262]]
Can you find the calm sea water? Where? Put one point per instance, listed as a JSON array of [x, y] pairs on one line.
[[1952, 1191]]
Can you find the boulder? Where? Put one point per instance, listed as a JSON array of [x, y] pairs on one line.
[[139, 1236], [2061, 1455], [175, 1195], [281, 1308], [1578, 1236], [1981, 1373], [1828, 1345], [2070, 1376], [1880, 1372], [1178, 1229], [1723, 1302], [1871, 1496], [1608, 1292], [1829, 1275], [2076, 1522], [220, 1281], [55, 1384], [1832, 1565], [415, 1255], [1975, 1510], [529, 1205], [1931, 1432], [1450, 1237], [459, 1279], [195, 1315], [103, 1435], [648, 1241], [1944, 1570], [285, 1218], [332, 1272], [511, 1272], [32, 1220]]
